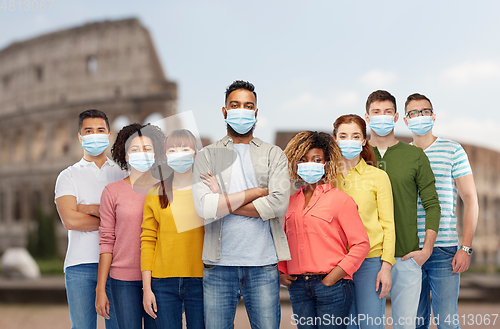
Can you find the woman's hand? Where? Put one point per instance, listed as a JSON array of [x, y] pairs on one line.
[[149, 303], [335, 275], [384, 279], [102, 304], [286, 279], [211, 182]]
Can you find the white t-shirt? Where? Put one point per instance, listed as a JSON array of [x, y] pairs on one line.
[[85, 181]]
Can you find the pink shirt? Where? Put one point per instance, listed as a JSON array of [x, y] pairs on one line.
[[120, 229], [319, 235]]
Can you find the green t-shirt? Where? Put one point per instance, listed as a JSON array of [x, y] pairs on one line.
[[411, 175]]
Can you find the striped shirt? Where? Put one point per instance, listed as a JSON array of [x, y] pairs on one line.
[[448, 162]]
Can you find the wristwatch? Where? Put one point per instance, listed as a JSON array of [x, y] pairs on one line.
[[468, 250]]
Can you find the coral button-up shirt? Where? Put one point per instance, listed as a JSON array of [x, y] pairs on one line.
[[320, 235]]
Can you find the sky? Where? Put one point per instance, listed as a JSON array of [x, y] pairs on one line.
[[311, 61]]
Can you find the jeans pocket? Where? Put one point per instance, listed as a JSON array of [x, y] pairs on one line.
[[450, 251], [415, 262], [270, 267], [208, 267]]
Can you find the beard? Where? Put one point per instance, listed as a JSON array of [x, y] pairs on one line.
[[234, 133]]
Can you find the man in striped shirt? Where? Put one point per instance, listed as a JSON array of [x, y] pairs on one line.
[[449, 162]]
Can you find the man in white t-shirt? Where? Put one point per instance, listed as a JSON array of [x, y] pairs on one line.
[[77, 196], [450, 165]]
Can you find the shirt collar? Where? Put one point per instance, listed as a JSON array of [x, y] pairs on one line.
[[361, 166], [321, 188], [85, 163], [256, 141]]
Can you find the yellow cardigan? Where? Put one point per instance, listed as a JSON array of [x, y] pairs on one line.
[[172, 238], [371, 189]]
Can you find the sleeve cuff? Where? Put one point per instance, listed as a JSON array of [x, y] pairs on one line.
[[387, 258], [210, 202], [263, 208]]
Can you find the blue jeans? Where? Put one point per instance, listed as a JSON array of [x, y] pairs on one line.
[[174, 294], [80, 281], [318, 306], [223, 286], [406, 284], [437, 277], [367, 309], [128, 305]]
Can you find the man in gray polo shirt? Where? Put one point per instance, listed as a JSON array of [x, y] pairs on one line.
[[244, 237]]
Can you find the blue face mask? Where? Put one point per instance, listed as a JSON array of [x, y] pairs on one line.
[[181, 161], [382, 125], [421, 125], [350, 148], [241, 120], [311, 172], [141, 161], [95, 144]]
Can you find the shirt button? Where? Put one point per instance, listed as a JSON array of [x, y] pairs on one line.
[[380, 165]]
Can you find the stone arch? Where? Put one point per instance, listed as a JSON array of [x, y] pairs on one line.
[[157, 120], [61, 140], [20, 147], [119, 122], [38, 145], [4, 150]]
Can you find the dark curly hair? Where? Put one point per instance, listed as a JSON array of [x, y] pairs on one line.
[[301, 143], [125, 136]]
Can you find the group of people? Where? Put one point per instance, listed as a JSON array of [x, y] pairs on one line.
[[164, 229]]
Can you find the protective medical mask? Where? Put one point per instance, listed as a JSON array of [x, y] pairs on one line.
[[181, 161], [311, 172], [141, 161], [95, 144], [241, 120], [382, 125], [421, 125], [350, 148]]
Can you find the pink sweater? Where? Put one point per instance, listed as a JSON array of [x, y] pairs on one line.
[[120, 228]]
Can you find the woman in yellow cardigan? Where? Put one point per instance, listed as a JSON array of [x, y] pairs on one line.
[[172, 241], [371, 188]]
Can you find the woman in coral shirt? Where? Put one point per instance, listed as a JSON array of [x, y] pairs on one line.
[[327, 239]]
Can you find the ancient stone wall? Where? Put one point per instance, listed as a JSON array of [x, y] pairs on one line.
[[45, 82]]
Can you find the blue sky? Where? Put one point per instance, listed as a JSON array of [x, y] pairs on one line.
[[314, 61]]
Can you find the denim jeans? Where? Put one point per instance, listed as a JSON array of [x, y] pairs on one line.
[[406, 283], [223, 286], [80, 281], [315, 305], [437, 277], [128, 305], [367, 306], [175, 294]]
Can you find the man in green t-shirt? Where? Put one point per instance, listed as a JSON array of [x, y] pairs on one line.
[[411, 176]]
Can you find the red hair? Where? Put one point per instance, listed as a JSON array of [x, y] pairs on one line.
[[367, 153]]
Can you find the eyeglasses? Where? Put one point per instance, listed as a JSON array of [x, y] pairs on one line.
[[416, 113]]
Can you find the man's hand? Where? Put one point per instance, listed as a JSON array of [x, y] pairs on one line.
[[460, 262], [211, 182], [420, 256], [89, 209], [286, 279], [384, 280]]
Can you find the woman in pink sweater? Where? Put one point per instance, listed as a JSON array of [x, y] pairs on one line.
[[136, 148]]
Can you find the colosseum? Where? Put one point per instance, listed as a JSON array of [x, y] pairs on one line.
[[45, 82], [485, 165]]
